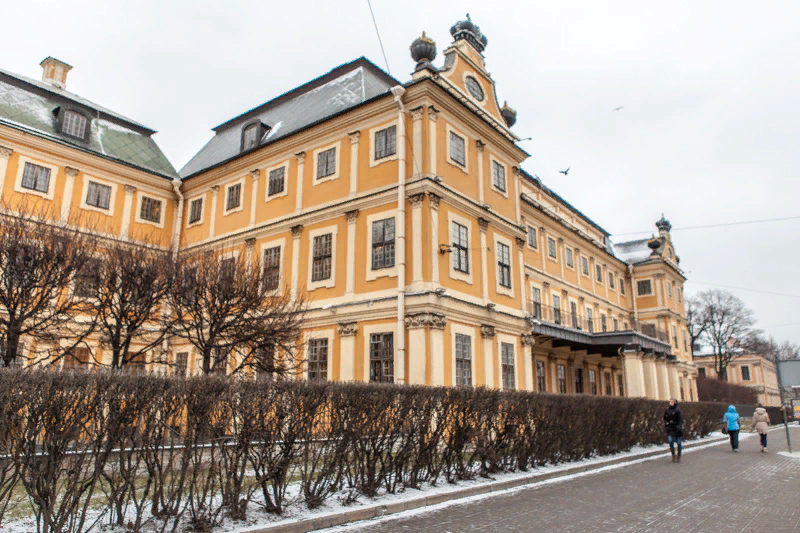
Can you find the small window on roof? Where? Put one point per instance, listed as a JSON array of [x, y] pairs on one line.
[[74, 124], [251, 134]]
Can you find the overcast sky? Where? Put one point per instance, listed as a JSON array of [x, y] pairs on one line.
[[708, 133]]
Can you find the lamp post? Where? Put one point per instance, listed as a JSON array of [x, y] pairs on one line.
[[783, 406]]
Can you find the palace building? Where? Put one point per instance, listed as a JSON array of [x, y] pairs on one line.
[[400, 209], [751, 370]]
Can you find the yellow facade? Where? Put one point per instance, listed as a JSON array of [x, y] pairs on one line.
[[751, 370], [474, 321]]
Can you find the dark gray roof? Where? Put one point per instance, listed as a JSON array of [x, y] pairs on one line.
[[30, 105], [343, 88]]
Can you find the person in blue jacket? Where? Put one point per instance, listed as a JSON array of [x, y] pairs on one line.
[[731, 418]]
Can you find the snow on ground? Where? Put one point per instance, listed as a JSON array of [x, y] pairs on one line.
[[793, 455]]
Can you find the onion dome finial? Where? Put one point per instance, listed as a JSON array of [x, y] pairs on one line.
[[423, 50], [509, 114], [663, 224], [470, 32]]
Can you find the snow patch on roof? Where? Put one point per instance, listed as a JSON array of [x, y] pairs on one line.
[[632, 252]]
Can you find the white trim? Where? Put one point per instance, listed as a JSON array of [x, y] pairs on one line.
[[51, 185], [263, 247], [528, 240], [471, 332], [202, 196], [456, 274], [465, 167], [493, 159], [611, 277], [566, 255], [338, 146], [375, 162], [227, 187], [369, 329], [600, 281], [652, 287], [330, 282], [508, 291], [382, 272], [285, 166], [111, 200], [588, 267], [547, 252], [513, 341], [464, 76], [318, 335], [139, 196]]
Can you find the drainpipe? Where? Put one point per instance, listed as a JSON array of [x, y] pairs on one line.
[[400, 249], [176, 231], [633, 295]]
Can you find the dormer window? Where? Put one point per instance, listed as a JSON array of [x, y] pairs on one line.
[[74, 124], [252, 132]]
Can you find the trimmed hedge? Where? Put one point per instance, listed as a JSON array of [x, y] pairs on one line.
[[166, 451], [717, 390]]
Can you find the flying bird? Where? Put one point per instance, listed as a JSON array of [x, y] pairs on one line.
[[564, 171], [618, 108]]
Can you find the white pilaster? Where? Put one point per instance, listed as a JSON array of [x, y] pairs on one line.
[[432, 114], [301, 158], [297, 233], [634, 375], [578, 266], [437, 354], [484, 229], [127, 207], [69, 187], [347, 351], [416, 237], [416, 133], [517, 194], [248, 253], [521, 255], [488, 334], [352, 218], [479, 146], [434, 202], [5, 154], [212, 214], [527, 360], [254, 175], [354, 138]]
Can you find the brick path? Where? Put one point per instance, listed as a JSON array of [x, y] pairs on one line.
[[711, 491]]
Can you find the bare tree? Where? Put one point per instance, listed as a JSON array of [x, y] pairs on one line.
[[772, 349], [43, 264], [727, 326], [696, 323], [134, 282], [225, 308]]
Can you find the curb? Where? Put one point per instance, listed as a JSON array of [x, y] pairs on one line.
[[376, 511]]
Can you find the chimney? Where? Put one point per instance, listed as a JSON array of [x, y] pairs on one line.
[[54, 72]]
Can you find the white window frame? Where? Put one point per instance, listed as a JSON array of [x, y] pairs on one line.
[[492, 161], [499, 239], [111, 201], [276, 243], [457, 274], [561, 302], [336, 173], [534, 285], [469, 331], [566, 257], [228, 187], [375, 162], [513, 341], [588, 272], [368, 331], [528, 238], [51, 186], [652, 288], [285, 166], [669, 290], [318, 335], [381, 272], [202, 196], [611, 283], [140, 195], [550, 257], [323, 283], [599, 279], [450, 129]]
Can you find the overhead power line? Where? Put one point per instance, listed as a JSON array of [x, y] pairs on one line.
[[744, 289], [379, 37], [715, 225]]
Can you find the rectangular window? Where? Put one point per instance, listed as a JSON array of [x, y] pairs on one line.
[[532, 240], [561, 371], [573, 307], [585, 266], [195, 210], [89, 279], [603, 324], [675, 335], [578, 381], [317, 359], [151, 210], [537, 302], [568, 252], [498, 176], [276, 181], [622, 286], [460, 248], [679, 295], [381, 358], [463, 359], [701, 372], [745, 373], [669, 289], [385, 142], [383, 244], [590, 319], [326, 163], [504, 265], [98, 195], [592, 382], [272, 268], [616, 324], [457, 149], [220, 363], [181, 364], [609, 385], [620, 388], [78, 358], [685, 343], [36, 178], [507, 360], [644, 288], [234, 197], [541, 380], [250, 137], [74, 124], [323, 253], [551, 248], [556, 309], [610, 280], [599, 271]]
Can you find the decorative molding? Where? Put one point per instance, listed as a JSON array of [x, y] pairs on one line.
[[301, 157], [347, 329], [130, 189], [417, 113], [434, 200], [297, 231], [433, 113], [479, 145], [520, 242], [5, 152], [545, 285], [352, 216], [488, 332], [250, 242], [560, 240], [516, 171], [355, 136], [255, 174], [528, 340], [483, 224], [551, 358], [564, 292], [422, 320], [71, 172], [215, 189], [416, 199]]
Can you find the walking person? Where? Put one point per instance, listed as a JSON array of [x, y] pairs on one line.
[[761, 424], [673, 421], [731, 418]]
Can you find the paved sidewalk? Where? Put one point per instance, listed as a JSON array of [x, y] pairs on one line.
[[712, 490]]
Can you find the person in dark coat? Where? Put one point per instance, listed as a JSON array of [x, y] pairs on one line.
[[673, 421]]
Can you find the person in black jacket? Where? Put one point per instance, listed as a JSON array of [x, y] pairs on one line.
[[673, 421]]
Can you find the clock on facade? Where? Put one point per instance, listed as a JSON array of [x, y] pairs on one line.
[[474, 88]]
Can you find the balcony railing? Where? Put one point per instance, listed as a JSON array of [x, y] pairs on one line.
[[581, 322]]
